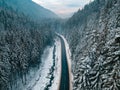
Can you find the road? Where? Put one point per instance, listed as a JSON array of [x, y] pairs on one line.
[[49, 77], [64, 83]]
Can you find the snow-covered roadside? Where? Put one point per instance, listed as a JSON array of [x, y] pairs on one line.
[[57, 72], [36, 78], [41, 78], [68, 53]]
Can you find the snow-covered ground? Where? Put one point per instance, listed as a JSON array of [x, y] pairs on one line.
[[48, 74], [57, 73], [42, 77]]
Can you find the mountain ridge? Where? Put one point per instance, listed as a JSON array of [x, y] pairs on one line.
[[31, 9], [93, 35]]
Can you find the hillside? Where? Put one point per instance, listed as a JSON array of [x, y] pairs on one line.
[[29, 8], [94, 37], [22, 42]]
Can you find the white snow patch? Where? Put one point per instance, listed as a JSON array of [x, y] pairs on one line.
[[41, 78], [57, 72]]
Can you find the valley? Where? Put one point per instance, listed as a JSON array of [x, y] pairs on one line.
[[41, 51]]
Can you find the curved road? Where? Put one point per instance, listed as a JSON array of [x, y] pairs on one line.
[[64, 83]]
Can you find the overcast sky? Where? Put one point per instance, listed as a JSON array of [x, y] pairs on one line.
[[63, 8]]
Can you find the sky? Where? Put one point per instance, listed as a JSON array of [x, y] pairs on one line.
[[63, 8]]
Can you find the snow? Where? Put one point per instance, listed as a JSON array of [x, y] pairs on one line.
[[41, 78], [57, 73]]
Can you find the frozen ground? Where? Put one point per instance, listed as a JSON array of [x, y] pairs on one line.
[[42, 77], [47, 75]]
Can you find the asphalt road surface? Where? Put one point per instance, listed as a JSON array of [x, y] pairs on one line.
[[64, 83]]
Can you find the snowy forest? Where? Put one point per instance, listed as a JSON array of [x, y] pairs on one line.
[[93, 35], [22, 41]]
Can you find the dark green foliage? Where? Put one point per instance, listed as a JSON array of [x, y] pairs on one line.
[[81, 16], [93, 34], [22, 42], [29, 8]]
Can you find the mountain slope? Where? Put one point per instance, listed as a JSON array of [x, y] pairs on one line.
[[94, 37], [22, 42], [29, 8]]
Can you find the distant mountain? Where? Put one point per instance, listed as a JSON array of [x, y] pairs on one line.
[[29, 8]]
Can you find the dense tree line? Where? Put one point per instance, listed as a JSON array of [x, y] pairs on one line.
[[22, 42], [93, 34], [29, 8]]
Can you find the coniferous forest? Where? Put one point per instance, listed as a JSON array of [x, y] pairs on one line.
[[93, 35]]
